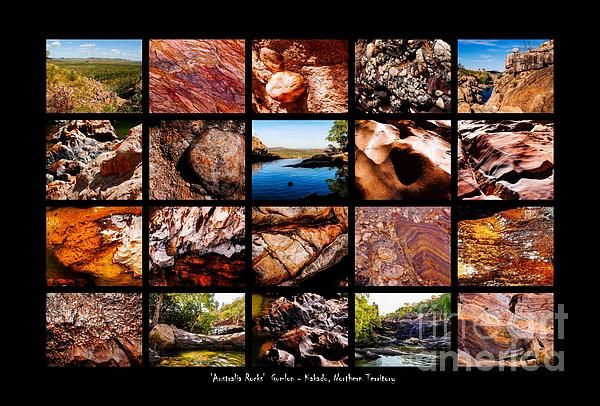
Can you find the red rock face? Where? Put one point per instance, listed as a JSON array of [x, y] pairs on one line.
[[402, 246], [505, 329], [510, 160], [403, 160], [197, 76], [506, 248]]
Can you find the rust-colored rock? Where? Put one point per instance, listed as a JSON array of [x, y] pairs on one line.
[[403, 160], [94, 329], [402, 246], [505, 329], [506, 248], [197, 76], [510, 160], [197, 160], [95, 246], [201, 246], [294, 245], [300, 76]]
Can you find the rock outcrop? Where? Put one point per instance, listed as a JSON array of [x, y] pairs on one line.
[[164, 338], [506, 160], [94, 246], [291, 245], [260, 152], [201, 246], [470, 96], [533, 59], [402, 76], [94, 329], [199, 160], [506, 248], [505, 329], [88, 163], [197, 76], [322, 161], [300, 76], [403, 160], [402, 246], [307, 330]]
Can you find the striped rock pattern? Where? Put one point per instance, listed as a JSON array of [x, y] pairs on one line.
[[402, 246]]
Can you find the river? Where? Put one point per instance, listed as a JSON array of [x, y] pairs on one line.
[[417, 357], [204, 358], [486, 93], [271, 181]]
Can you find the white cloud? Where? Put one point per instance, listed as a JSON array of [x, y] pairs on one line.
[[55, 44], [116, 51], [87, 45], [487, 43]]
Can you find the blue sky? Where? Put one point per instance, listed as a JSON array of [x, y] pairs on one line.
[[292, 134], [93, 48], [389, 302], [489, 54]]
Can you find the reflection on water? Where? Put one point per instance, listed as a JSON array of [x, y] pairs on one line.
[[204, 358], [271, 180], [415, 357], [260, 342]]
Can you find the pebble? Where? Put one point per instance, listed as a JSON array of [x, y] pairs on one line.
[[404, 72], [440, 103], [438, 93], [370, 50], [393, 71]]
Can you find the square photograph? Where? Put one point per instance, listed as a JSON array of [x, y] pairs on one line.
[[197, 75], [197, 160], [402, 246], [300, 246], [93, 76], [301, 330], [505, 329], [403, 76], [94, 159], [402, 329], [506, 160], [505, 76], [197, 246], [94, 330], [299, 76], [95, 246], [300, 159], [197, 330], [403, 159], [513, 247]]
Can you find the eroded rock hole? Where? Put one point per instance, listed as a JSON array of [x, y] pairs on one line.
[[408, 166]]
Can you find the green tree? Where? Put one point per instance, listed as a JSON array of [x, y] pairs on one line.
[[339, 134], [235, 310], [366, 318], [193, 312]]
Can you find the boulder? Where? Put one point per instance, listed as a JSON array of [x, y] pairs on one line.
[[162, 338], [285, 87]]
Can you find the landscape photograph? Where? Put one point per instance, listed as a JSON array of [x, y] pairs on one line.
[[513, 247], [93, 76], [402, 329], [94, 160], [94, 246], [300, 330], [94, 330], [403, 75], [197, 246], [505, 330], [300, 159], [402, 159], [197, 329], [300, 246], [197, 75], [505, 160], [402, 246], [299, 76], [505, 76], [197, 160]]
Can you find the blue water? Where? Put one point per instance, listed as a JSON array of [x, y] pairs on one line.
[[270, 180], [486, 93]]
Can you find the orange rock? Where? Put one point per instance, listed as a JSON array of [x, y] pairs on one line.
[[286, 86]]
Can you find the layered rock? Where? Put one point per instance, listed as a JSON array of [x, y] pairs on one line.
[[260, 152], [532, 59], [95, 246], [197, 76], [307, 330], [94, 329], [506, 160], [195, 159], [505, 329], [87, 163], [402, 246], [403, 160], [506, 248], [401, 76], [202, 246], [300, 76], [291, 245]]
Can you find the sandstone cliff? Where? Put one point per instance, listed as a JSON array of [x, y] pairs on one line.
[[260, 152]]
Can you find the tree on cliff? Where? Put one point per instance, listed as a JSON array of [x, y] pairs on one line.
[[366, 318], [193, 312], [339, 134]]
